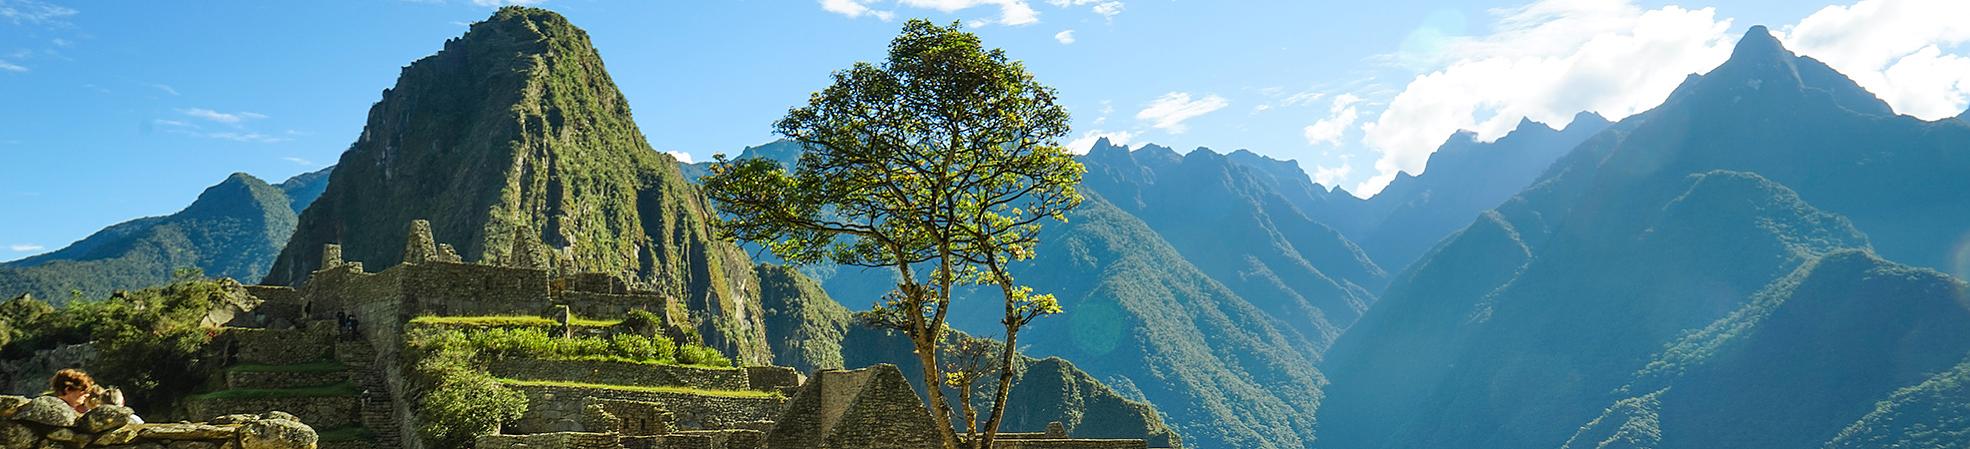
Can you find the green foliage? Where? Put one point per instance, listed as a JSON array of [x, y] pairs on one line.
[[148, 342], [325, 366], [702, 356], [747, 394], [457, 400], [946, 154]]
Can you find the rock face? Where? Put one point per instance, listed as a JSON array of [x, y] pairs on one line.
[[515, 133], [40, 424]]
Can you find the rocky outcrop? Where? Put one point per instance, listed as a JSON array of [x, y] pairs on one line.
[[47, 422]]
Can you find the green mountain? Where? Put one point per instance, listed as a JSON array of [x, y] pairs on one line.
[[1229, 371], [1626, 298], [233, 229], [515, 137], [1464, 178], [808, 330], [1242, 232], [1802, 360]]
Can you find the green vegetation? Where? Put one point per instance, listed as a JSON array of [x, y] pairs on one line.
[[341, 389], [508, 321], [149, 342], [955, 190], [326, 366], [456, 399], [743, 394]]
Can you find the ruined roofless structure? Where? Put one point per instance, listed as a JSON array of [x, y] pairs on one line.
[[614, 405]]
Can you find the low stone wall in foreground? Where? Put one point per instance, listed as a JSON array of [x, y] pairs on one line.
[[47, 422]]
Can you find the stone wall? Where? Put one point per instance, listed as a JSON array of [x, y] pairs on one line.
[[47, 422], [630, 418], [870, 408], [459, 289], [704, 439], [1069, 444], [283, 379], [620, 373], [772, 378], [327, 412], [277, 346], [559, 409], [556, 440]]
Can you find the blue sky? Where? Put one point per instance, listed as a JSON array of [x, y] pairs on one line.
[[113, 110]]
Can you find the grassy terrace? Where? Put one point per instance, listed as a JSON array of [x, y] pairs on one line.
[[740, 394], [341, 389], [506, 321], [325, 366]]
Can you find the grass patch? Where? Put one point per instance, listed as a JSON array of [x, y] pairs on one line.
[[741, 394], [352, 433], [507, 321], [341, 389], [618, 359], [325, 366]]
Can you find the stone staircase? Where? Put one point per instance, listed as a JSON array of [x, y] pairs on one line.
[[378, 411]]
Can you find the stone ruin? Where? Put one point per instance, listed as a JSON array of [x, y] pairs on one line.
[[48, 423], [586, 404]]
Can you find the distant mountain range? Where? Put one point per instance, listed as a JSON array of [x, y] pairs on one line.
[[233, 229], [1770, 259], [1715, 272]]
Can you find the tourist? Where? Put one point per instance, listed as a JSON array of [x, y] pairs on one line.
[[112, 396], [73, 387]]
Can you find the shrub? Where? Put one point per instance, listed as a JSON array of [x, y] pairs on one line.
[[701, 355]]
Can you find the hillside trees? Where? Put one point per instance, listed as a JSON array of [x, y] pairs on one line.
[[941, 162]]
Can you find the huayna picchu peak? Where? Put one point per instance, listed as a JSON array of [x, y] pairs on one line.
[[515, 145]]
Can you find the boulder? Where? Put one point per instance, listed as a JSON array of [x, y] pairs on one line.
[[69, 437], [48, 411], [9, 403], [277, 414], [233, 419], [184, 431], [120, 435], [16, 435], [104, 418], [276, 434]]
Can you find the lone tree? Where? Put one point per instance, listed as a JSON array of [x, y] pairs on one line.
[[941, 162]]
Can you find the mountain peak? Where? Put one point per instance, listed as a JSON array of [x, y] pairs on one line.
[[1588, 118], [1758, 39]]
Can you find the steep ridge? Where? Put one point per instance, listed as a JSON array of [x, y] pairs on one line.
[[1806, 357], [1230, 223], [1933, 413], [514, 137], [233, 229], [1463, 178], [1633, 239]]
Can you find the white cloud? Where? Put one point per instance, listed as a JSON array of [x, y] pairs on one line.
[[1065, 37], [1011, 12], [1895, 48], [174, 123], [166, 88], [854, 9], [1081, 145], [498, 3], [248, 137], [1108, 9], [298, 161], [25, 247], [11, 67], [1331, 176], [681, 156], [1341, 116], [1546, 61], [1107, 108], [1172, 109], [31, 12], [1302, 98], [222, 117]]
